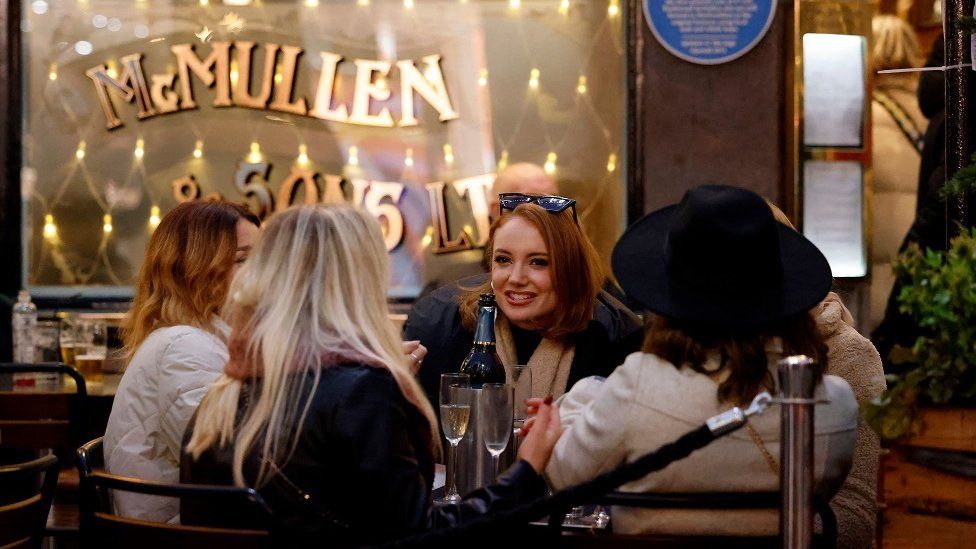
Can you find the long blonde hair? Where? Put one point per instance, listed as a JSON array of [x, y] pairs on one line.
[[186, 271], [895, 44], [314, 287]]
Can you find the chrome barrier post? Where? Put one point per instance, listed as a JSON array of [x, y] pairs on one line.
[[796, 451]]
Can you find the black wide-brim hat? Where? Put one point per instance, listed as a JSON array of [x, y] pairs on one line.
[[719, 258]]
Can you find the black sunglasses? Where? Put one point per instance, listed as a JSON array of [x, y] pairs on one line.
[[552, 204]]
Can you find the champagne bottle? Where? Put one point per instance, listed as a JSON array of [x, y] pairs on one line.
[[482, 363]]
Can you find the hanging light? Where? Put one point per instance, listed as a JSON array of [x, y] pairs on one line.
[[581, 85], [612, 163], [80, 152], [255, 155], [50, 229], [107, 223], [503, 161], [140, 150], [154, 217], [483, 78], [534, 79], [448, 153], [353, 156], [198, 149], [302, 154], [550, 165], [408, 159]]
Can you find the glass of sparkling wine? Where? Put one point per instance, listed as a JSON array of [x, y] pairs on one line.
[[455, 412], [495, 413], [522, 381]]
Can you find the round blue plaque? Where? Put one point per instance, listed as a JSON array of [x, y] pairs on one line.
[[709, 32]]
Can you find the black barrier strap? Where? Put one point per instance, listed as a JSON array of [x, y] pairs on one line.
[[571, 496]]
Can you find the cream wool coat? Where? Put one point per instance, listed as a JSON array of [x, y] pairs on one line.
[[646, 403], [162, 386]]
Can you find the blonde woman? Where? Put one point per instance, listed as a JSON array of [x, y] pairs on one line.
[[318, 408], [175, 340]]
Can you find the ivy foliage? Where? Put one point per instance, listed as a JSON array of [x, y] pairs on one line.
[[939, 293]]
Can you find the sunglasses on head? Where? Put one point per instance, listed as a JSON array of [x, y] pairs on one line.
[[552, 204]]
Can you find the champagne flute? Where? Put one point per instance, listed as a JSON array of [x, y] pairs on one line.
[[522, 383], [495, 413], [455, 412]]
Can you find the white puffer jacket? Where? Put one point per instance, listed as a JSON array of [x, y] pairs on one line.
[[161, 388]]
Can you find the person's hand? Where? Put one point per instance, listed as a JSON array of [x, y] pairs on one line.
[[541, 433], [415, 354]]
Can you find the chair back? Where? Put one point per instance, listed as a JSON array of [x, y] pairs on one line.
[[43, 419], [102, 525], [23, 520], [717, 501]]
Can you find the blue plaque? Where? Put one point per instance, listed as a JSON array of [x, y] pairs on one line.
[[709, 32]]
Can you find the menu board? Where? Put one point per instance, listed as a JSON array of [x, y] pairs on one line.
[[833, 90], [833, 214]]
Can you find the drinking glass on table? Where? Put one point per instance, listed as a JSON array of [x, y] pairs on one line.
[[522, 384], [90, 354], [69, 342], [455, 412], [495, 413]]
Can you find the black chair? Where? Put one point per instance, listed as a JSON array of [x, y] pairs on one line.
[[43, 419], [22, 521], [827, 539], [102, 526]]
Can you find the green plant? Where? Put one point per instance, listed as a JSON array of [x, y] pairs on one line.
[[939, 293]]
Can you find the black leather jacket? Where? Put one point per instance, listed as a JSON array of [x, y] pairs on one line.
[[613, 333], [363, 459]]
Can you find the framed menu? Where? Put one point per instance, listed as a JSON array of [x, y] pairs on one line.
[[833, 90], [833, 211]]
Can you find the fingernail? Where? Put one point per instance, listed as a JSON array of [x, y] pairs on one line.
[[548, 400]]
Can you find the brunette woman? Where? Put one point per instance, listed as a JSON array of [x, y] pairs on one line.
[[552, 314], [175, 340], [318, 408], [731, 289]]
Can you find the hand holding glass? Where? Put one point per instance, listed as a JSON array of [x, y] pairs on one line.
[[455, 412]]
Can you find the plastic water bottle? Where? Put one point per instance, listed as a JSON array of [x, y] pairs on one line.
[[24, 323]]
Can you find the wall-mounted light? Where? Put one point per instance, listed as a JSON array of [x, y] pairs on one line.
[[302, 154], [408, 159], [255, 155], [614, 8], [353, 159], [198, 149], [80, 152], [140, 148], [534, 78], [550, 165], [483, 78], [107, 223], [50, 229], [581, 85], [448, 154], [564, 7], [612, 163], [154, 217], [503, 161]]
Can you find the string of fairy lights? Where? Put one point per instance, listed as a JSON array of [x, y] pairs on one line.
[[534, 85]]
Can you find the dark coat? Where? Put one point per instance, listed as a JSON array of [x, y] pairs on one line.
[[435, 320], [363, 458]]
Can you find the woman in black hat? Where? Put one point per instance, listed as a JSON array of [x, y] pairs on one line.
[[730, 288]]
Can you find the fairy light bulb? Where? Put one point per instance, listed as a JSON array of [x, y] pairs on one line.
[[612, 163], [581, 85], [302, 154], [53, 72], [483, 78], [140, 148], [564, 7], [550, 165], [353, 156], [428, 237], [198, 149], [80, 151], [255, 155], [277, 76], [408, 4], [107, 223], [311, 3], [614, 8], [503, 161], [111, 70], [204, 2], [448, 153], [50, 230], [154, 217], [362, 2], [381, 83], [233, 73], [514, 4], [408, 159], [534, 79]]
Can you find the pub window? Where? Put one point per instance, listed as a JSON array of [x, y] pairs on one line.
[[403, 107]]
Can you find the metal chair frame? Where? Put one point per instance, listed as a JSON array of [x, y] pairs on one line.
[[33, 509]]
